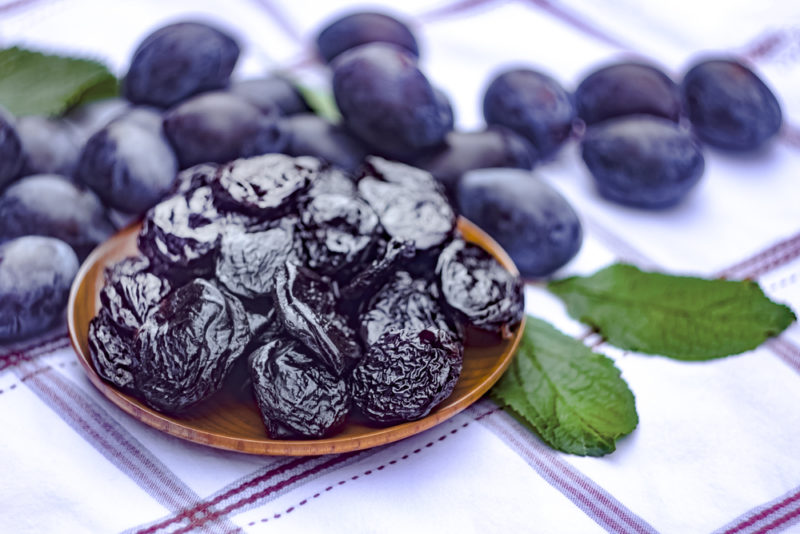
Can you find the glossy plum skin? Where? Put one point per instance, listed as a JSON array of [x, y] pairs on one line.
[[387, 101], [627, 88], [35, 277], [729, 106], [532, 221], [51, 146], [52, 205], [361, 28], [11, 155], [311, 135], [270, 94], [178, 61], [532, 104], [642, 161], [128, 164], [220, 127]]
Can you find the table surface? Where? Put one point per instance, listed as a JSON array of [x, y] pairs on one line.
[[716, 449]]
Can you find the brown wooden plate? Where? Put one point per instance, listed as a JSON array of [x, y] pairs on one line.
[[229, 421]]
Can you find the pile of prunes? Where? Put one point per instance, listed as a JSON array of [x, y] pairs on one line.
[[339, 294]]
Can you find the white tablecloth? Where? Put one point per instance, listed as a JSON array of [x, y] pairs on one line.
[[717, 448]]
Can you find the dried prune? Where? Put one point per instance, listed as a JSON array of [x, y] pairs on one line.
[[478, 288], [405, 374], [264, 186], [332, 181], [403, 302], [306, 306], [195, 177], [339, 232], [131, 291], [112, 351], [296, 395], [187, 346], [394, 254]]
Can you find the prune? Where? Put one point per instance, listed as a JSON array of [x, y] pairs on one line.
[[405, 374], [642, 161], [400, 174], [247, 262], [361, 28], [332, 181], [51, 146], [403, 302], [129, 166], [627, 88], [729, 106], [296, 396], [306, 307], [179, 60], [219, 127], [339, 233], [495, 146], [532, 104], [264, 186], [35, 277], [52, 205], [445, 108], [478, 288], [270, 94], [195, 177], [395, 254], [531, 221], [112, 351], [11, 155], [181, 234], [312, 135], [387, 101], [188, 345], [130, 291]]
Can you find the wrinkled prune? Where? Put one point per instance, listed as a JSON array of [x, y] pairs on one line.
[[405, 374], [296, 396], [195, 177], [642, 161], [478, 288], [531, 221], [51, 146], [403, 302], [339, 232], [248, 262], [131, 291], [35, 277], [361, 28], [332, 181], [729, 106], [52, 205], [270, 94], [264, 186], [532, 104], [11, 154], [112, 351], [312, 135], [306, 306], [393, 255], [400, 174], [627, 88], [179, 60], [188, 345]]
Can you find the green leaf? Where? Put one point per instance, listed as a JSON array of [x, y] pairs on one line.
[[573, 398], [677, 316], [321, 102], [33, 83]]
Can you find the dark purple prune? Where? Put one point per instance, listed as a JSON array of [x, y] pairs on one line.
[[361, 28], [52, 205], [181, 234], [264, 186], [642, 161], [131, 291], [532, 104], [219, 127], [627, 88], [480, 290], [393, 255], [332, 181], [339, 233], [195, 177], [35, 277], [306, 305], [405, 374], [312, 135], [11, 153], [403, 302], [247, 262], [531, 221], [270, 94], [179, 60], [387, 101], [51, 146], [729, 106], [129, 165], [188, 345], [112, 351], [464, 151], [296, 396]]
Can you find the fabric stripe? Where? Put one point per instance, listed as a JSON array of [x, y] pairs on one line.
[[59, 336], [764, 261], [459, 7], [280, 18], [779, 513], [576, 22], [786, 351]]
